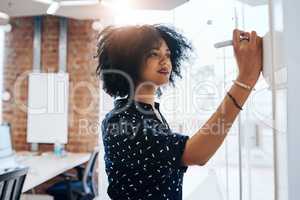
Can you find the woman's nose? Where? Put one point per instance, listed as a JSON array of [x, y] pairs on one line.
[[163, 59]]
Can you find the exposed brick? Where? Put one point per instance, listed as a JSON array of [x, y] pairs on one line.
[[80, 66]]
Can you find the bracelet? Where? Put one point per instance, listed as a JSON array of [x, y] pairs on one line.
[[243, 85], [234, 101]]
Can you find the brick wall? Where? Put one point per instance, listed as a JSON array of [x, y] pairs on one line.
[[84, 86]]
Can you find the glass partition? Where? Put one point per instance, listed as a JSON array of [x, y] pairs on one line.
[[243, 167]]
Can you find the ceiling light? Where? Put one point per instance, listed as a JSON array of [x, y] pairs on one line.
[[4, 15], [44, 1], [53, 8]]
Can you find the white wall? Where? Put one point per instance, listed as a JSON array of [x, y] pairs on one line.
[[292, 59], [286, 48]]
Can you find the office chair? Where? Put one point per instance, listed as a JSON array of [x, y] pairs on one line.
[[11, 184], [80, 187]]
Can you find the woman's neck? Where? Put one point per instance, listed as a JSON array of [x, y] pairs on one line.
[[145, 94]]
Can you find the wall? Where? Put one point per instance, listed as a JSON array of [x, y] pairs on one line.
[[2, 34], [291, 44], [84, 86]]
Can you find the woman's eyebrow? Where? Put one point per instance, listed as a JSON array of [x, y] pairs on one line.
[[155, 48]]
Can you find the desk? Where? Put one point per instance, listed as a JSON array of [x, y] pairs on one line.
[[46, 166]]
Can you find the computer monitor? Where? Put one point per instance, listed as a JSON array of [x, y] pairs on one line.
[[7, 155], [6, 149]]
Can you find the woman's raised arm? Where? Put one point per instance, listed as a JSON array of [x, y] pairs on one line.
[[205, 142]]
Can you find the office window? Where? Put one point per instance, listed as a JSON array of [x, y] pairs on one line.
[[257, 128], [243, 166]]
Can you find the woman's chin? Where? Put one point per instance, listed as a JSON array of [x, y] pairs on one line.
[[162, 82]]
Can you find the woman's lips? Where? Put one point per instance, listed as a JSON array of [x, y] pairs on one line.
[[164, 72]]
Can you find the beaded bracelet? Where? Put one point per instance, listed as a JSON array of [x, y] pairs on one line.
[[243, 85], [234, 101]]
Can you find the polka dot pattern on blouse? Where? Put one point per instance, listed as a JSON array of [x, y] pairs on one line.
[[142, 154]]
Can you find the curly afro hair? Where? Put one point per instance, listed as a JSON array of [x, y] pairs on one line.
[[121, 51]]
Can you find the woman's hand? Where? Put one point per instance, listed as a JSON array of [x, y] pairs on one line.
[[248, 54]]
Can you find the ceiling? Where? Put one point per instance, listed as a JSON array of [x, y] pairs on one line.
[[18, 8]]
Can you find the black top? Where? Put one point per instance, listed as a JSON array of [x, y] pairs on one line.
[[142, 154]]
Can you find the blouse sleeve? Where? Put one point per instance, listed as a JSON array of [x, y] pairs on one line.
[[129, 143]]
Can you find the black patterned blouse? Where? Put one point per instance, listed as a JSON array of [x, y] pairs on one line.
[[142, 154]]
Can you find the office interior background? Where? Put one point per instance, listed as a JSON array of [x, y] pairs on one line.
[[258, 159]]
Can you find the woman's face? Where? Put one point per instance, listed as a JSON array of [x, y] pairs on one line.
[[157, 67]]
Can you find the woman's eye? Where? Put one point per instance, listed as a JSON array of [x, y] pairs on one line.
[[156, 54], [153, 54]]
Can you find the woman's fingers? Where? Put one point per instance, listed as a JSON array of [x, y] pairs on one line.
[[240, 37], [248, 54], [253, 38], [245, 38], [245, 35], [236, 38], [259, 44], [259, 41]]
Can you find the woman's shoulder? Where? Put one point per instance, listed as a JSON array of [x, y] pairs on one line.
[[121, 115], [120, 125]]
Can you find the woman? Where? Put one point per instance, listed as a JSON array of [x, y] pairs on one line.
[[144, 158]]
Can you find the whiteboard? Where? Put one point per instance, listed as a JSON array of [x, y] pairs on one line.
[[48, 108]]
